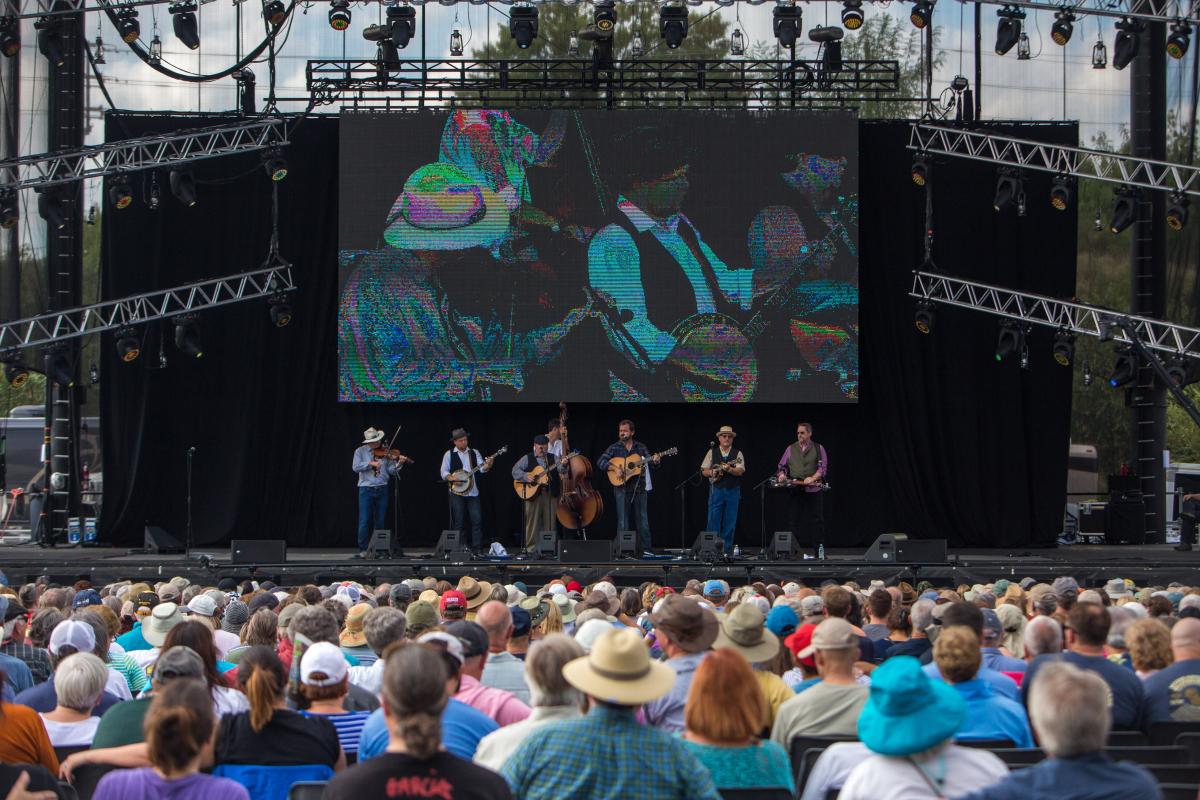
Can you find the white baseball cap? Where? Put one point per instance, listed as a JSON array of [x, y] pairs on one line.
[[203, 605], [72, 633], [326, 658], [451, 643]]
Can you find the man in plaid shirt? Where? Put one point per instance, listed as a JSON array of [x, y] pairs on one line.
[[14, 644]]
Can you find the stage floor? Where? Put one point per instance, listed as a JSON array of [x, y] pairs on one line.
[[1090, 564]]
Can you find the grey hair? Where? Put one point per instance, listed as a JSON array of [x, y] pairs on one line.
[[382, 626], [1043, 635], [79, 679], [922, 615], [1069, 709], [317, 623], [1120, 619], [544, 671], [1190, 601]]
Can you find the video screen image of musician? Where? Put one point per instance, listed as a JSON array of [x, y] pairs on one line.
[[634, 256]]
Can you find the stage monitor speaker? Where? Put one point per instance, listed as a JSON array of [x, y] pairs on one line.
[[585, 552], [708, 546], [257, 551], [884, 547], [625, 544], [381, 543], [158, 540], [1125, 522], [783, 546], [450, 543], [921, 551], [546, 545]]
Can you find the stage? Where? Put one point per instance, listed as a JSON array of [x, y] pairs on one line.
[[1090, 564]]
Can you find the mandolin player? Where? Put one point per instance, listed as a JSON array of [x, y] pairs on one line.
[[463, 506], [539, 508], [631, 496], [373, 476], [724, 466]]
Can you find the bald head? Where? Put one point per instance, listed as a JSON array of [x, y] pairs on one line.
[[495, 618], [1185, 639]]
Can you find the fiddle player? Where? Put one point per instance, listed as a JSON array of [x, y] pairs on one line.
[[373, 477], [465, 506], [631, 496], [803, 466], [539, 509], [724, 465]]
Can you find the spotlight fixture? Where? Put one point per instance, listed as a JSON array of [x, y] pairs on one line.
[[1012, 340], [128, 26], [1023, 51], [523, 24], [155, 195], [280, 310], [852, 14], [118, 192], [1008, 190], [920, 169], [922, 12], [786, 19], [925, 316], [1183, 371], [275, 165], [183, 186], [154, 52], [1125, 46], [183, 21], [129, 347], [456, 43], [59, 370], [1063, 27], [1008, 30], [673, 24], [187, 337], [1098, 223], [1124, 369], [10, 36], [52, 209], [15, 371], [1060, 193], [387, 57], [275, 12], [246, 83], [1087, 373], [1099, 55], [94, 374], [10, 210], [49, 39], [604, 21], [737, 42], [339, 14], [402, 20], [1177, 40], [1177, 212], [1064, 348], [829, 37], [1124, 209]]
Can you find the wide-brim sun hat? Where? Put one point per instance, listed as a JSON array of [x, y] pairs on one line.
[[371, 435], [744, 630], [907, 711], [443, 208], [619, 670]]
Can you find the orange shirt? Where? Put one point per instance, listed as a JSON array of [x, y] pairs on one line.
[[23, 738]]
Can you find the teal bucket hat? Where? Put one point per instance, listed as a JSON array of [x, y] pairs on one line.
[[907, 711]]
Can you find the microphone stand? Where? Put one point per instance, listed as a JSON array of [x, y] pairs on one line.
[[188, 546], [681, 487], [761, 487]]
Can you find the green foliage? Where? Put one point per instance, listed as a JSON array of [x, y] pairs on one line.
[[1183, 437], [883, 37]]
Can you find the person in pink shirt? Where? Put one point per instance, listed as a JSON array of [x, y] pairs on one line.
[[502, 706], [803, 467]]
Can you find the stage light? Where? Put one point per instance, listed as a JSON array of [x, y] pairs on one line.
[[737, 42], [59, 370], [183, 186], [1124, 210], [604, 20], [10, 210], [274, 12], [1012, 340], [128, 26], [280, 311], [129, 347], [10, 36], [187, 337], [52, 209], [245, 85], [852, 14], [456, 43], [155, 196], [673, 24], [1183, 371], [98, 51], [1124, 370], [275, 165], [15, 371], [1063, 27], [118, 192], [402, 20], [1060, 193], [829, 37], [922, 12], [523, 24], [573, 44], [1008, 191], [154, 52], [1177, 212], [786, 20], [920, 169], [1087, 373], [339, 14], [1125, 46], [1023, 51], [50, 43], [387, 56], [1177, 40], [1099, 55], [635, 45], [925, 316], [183, 21], [1064, 348], [1008, 30]]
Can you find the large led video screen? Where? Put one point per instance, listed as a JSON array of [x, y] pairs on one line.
[[639, 256]]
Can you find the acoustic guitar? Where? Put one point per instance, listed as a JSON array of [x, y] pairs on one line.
[[461, 480], [623, 468], [539, 478]]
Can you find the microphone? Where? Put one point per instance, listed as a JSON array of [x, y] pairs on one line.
[[191, 451], [711, 444]]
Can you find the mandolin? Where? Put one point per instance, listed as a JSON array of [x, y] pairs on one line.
[[461, 480], [622, 468]]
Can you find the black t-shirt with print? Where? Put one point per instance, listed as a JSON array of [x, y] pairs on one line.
[[399, 776]]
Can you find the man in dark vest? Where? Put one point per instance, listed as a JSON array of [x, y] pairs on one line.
[[465, 506], [803, 465], [539, 509], [724, 466]]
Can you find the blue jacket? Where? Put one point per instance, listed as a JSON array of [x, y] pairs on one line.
[[1001, 684], [992, 716], [1090, 777]]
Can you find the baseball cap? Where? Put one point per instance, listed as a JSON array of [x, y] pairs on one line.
[[227, 585], [832, 634], [285, 615], [473, 637], [202, 605], [521, 621], [72, 633], [799, 641], [180, 661], [444, 641], [812, 606], [169, 591], [713, 589], [147, 600], [421, 615], [1063, 584], [88, 597], [453, 598], [325, 658], [400, 593], [992, 623]]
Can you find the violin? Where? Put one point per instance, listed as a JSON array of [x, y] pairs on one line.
[[389, 453]]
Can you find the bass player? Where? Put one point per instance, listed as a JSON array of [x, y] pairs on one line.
[[464, 506]]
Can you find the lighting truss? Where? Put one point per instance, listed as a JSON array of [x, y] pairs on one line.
[[1050, 312], [1146, 10], [1077, 162], [129, 155], [265, 282]]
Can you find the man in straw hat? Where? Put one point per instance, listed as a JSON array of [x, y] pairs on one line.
[[373, 476], [607, 753], [724, 466]]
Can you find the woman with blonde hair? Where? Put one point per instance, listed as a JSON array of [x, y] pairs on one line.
[[1149, 645], [551, 623]]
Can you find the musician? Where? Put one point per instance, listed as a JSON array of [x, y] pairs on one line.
[[539, 509], [726, 490], [631, 496], [555, 431], [1189, 510], [373, 476], [804, 463], [464, 506]]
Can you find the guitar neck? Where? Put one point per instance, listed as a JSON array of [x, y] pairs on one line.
[[781, 295]]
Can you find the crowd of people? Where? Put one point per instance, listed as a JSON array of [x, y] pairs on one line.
[[424, 688]]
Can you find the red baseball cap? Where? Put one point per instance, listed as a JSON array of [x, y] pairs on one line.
[[453, 599], [799, 640], [573, 586]]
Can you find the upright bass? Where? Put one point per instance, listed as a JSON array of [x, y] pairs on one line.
[[579, 505]]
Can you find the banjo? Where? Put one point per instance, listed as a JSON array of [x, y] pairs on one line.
[[462, 480]]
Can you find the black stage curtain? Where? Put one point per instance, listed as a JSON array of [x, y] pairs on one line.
[[944, 442]]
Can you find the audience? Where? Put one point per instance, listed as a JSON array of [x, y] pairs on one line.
[[68, 638], [684, 631], [502, 670], [122, 724], [832, 706], [324, 676], [382, 627], [917, 644], [989, 715], [498, 704], [1043, 636], [1173, 693], [1149, 645], [78, 684], [23, 737], [744, 631], [197, 637], [14, 644]]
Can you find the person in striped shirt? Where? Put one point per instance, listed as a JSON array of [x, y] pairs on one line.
[[323, 680]]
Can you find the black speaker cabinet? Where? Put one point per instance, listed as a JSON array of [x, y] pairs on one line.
[[589, 552], [625, 544], [158, 540], [450, 543], [708, 545], [925, 551], [546, 545], [884, 547], [783, 546], [257, 551], [1125, 522]]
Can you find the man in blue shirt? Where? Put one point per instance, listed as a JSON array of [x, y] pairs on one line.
[[990, 639], [462, 728], [630, 496], [1173, 693], [373, 476], [971, 615]]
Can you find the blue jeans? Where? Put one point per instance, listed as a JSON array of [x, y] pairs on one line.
[[462, 509], [372, 508], [626, 497], [722, 512]]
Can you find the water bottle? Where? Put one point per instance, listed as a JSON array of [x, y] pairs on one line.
[[73, 530], [821, 551], [737, 551]]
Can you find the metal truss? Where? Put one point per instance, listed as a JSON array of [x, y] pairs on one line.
[[164, 149], [693, 83], [1078, 162], [264, 282], [1078, 318], [1147, 10]]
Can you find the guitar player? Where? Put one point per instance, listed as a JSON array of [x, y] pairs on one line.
[[539, 509], [464, 506], [631, 496]]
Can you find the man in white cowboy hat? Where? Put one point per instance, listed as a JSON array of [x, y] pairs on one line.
[[724, 466], [373, 476], [607, 753]]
